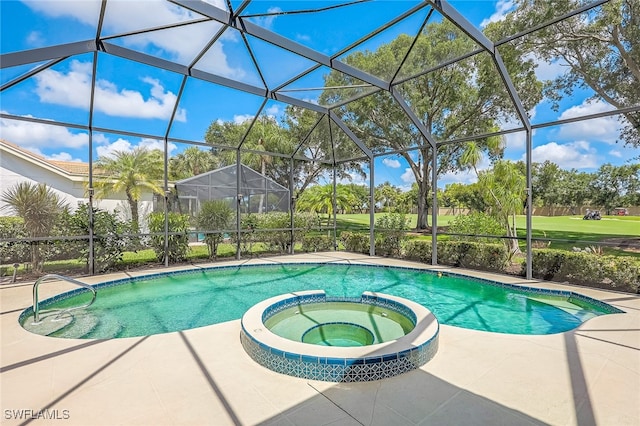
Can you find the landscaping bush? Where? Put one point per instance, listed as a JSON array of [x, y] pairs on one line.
[[419, 250], [109, 243], [178, 244], [463, 254], [473, 255], [313, 243], [584, 268], [390, 234], [214, 215], [15, 251], [355, 242], [477, 223], [276, 241]]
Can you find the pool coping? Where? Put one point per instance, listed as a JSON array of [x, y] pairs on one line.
[[336, 364]]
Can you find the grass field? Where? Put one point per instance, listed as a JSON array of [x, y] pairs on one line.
[[564, 232]]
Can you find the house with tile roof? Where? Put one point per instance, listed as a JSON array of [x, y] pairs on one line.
[[67, 178]]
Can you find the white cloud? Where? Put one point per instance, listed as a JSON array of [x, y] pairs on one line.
[[463, 176], [267, 21], [578, 155], [502, 8], [73, 89], [354, 178], [38, 135], [408, 177], [107, 148], [84, 11], [545, 70], [62, 156], [272, 111], [34, 38], [241, 118], [605, 129], [391, 162], [181, 44], [615, 153]]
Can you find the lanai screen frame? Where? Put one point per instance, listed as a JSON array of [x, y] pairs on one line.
[[234, 19]]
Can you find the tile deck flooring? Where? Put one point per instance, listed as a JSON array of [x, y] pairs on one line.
[[590, 375]]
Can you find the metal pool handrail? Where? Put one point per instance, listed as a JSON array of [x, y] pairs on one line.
[[36, 305]]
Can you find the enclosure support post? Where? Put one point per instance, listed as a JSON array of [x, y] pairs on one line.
[[291, 207], [372, 218], [529, 209], [335, 205], [166, 203], [239, 200], [435, 208], [92, 258]]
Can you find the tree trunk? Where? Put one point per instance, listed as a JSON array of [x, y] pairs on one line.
[[133, 204], [423, 211], [514, 247], [423, 190]]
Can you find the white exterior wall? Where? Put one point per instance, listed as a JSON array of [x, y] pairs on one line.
[[14, 169]]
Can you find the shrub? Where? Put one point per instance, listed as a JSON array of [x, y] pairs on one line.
[[419, 250], [214, 215], [280, 240], [473, 255], [476, 223], [584, 268], [355, 242], [13, 251], [178, 243], [109, 244], [464, 254], [313, 243], [390, 234]]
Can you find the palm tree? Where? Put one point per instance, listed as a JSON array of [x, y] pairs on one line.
[[319, 199], [39, 207], [506, 187], [191, 162], [132, 173]]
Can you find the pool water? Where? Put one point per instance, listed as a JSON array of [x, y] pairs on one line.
[[382, 324], [173, 302]]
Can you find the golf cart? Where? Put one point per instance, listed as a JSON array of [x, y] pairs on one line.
[[592, 215]]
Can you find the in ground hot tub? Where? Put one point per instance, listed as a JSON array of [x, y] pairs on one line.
[[310, 335]]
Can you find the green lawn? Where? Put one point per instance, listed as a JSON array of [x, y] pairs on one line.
[[569, 231]]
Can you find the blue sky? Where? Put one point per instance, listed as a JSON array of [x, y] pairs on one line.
[[139, 98]]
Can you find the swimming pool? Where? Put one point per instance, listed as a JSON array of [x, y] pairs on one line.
[[175, 301]]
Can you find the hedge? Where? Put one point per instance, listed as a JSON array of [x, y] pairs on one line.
[[463, 254], [609, 272]]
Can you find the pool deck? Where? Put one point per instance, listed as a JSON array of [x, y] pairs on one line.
[[590, 375]]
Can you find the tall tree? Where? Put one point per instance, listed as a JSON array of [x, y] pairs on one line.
[[611, 184], [547, 185], [600, 46], [191, 162], [39, 207], [319, 199], [461, 99], [387, 196], [576, 191], [132, 173]]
